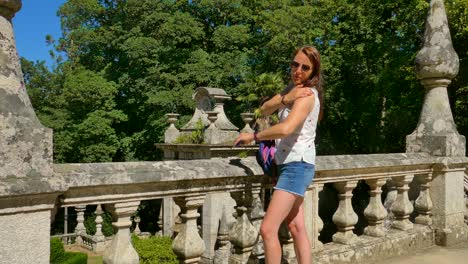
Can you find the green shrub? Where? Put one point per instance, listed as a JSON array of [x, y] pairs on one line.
[[56, 250], [196, 137], [154, 250], [75, 258], [59, 256]]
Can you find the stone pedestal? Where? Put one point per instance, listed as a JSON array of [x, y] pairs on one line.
[[448, 206], [436, 65]]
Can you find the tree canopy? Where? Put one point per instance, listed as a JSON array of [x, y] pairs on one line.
[[122, 64]]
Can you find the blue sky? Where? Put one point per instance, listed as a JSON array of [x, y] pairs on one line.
[[32, 23]]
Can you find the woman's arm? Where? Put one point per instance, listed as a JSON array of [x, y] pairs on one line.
[[283, 99], [297, 116]]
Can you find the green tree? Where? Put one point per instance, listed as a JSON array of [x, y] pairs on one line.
[[149, 56]]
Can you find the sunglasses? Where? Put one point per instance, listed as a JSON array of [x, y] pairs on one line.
[[295, 65]]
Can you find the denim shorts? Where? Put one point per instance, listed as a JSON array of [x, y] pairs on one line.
[[295, 177]]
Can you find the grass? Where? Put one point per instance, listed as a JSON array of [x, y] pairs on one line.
[[94, 259]]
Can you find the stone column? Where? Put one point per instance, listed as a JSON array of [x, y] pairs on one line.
[[375, 211], [243, 234], [345, 218], [436, 65], [256, 216], [188, 245], [423, 204], [402, 207], [121, 250]]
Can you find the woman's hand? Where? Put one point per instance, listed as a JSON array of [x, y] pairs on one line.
[[243, 139], [297, 92]]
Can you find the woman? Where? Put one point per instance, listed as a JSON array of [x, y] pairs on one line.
[[299, 111]]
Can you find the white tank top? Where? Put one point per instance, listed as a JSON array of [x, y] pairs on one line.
[[300, 145]]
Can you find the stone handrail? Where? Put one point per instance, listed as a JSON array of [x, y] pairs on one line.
[[124, 185]]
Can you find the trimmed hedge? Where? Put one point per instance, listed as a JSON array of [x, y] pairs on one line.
[[155, 250], [59, 256]]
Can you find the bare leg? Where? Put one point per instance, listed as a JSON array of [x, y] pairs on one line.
[[279, 208], [296, 226]]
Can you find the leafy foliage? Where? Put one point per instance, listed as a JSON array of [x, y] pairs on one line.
[[58, 255], [195, 137], [155, 249], [130, 62]]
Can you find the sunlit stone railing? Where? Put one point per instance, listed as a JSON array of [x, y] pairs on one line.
[[120, 187]]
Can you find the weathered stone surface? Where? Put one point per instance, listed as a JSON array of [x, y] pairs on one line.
[[121, 250], [25, 236], [25, 145], [436, 64], [372, 249], [437, 59]]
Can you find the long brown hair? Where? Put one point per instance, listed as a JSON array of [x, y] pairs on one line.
[[315, 78]]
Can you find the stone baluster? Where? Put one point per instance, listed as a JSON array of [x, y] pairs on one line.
[[121, 250], [188, 245], [99, 236], [389, 200], [345, 218], [375, 211], [402, 207], [256, 216], [160, 220], [80, 228], [318, 220], [287, 245], [313, 222], [137, 221], [423, 203], [243, 234], [223, 246]]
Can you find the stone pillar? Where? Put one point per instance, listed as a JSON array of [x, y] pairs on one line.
[[99, 236], [243, 234], [345, 218], [402, 207], [26, 160], [423, 204], [80, 228], [121, 250], [448, 205], [375, 211], [188, 245], [436, 65]]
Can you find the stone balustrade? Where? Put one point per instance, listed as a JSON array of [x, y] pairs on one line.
[[119, 188]]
